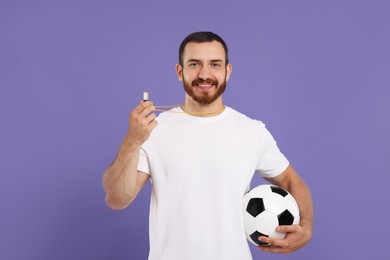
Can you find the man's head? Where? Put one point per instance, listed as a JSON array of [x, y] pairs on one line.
[[203, 66]]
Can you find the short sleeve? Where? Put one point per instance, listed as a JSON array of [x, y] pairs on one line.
[[143, 162], [272, 162]]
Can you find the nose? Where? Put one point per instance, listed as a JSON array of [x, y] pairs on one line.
[[204, 73]]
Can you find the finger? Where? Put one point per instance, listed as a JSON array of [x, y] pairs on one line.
[[147, 110], [141, 107], [267, 241], [273, 242], [149, 118], [264, 241], [153, 124], [274, 245], [287, 228]]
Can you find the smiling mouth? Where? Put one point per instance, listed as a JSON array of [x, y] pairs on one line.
[[204, 85]]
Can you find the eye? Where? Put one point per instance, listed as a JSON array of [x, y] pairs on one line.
[[215, 65], [193, 64]]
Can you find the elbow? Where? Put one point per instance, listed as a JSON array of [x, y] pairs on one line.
[[115, 206], [118, 204]]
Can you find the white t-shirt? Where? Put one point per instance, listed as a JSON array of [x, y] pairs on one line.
[[200, 168]]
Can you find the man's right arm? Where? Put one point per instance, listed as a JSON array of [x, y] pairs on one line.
[[122, 181]]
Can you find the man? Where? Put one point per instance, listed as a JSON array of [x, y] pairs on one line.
[[200, 159]]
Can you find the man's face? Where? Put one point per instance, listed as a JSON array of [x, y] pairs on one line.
[[204, 72]]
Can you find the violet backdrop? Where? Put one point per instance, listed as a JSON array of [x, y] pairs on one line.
[[316, 72]]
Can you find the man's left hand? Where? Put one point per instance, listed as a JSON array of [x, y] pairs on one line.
[[296, 237]]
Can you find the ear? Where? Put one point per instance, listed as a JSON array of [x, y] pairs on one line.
[[179, 72], [229, 69]]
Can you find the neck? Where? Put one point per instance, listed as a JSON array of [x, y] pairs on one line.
[[203, 110]]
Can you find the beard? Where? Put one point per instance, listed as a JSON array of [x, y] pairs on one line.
[[204, 98]]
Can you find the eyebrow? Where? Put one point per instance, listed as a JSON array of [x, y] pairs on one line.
[[196, 60], [192, 60]]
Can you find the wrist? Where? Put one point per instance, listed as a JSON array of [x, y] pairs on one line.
[[305, 223], [131, 142], [307, 226]]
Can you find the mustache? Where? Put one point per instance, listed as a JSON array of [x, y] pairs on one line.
[[207, 81]]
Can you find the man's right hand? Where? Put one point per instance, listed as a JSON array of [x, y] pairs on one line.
[[142, 122]]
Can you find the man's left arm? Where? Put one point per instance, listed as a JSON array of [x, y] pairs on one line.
[[297, 235]]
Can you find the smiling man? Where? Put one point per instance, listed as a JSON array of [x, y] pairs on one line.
[[200, 158]]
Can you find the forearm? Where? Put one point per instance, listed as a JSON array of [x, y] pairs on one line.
[[297, 235], [300, 191], [120, 179]]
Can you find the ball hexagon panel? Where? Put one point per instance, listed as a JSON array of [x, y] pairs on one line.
[[259, 191], [250, 223], [274, 203], [266, 222]]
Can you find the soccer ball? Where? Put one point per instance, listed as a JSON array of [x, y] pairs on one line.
[[265, 207]]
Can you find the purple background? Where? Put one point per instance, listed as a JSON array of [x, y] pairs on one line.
[[316, 72]]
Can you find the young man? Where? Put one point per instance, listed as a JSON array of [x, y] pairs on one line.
[[201, 159]]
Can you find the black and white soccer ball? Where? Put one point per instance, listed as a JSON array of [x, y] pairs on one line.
[[265, 207]]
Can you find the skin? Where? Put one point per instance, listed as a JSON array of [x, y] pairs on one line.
[[202, 62]]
